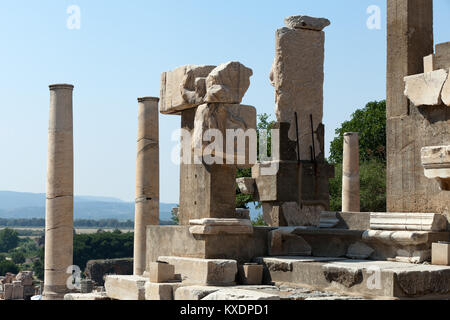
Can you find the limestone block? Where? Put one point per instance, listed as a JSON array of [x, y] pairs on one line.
[[246, 185], [194, 293], [239, 294], [297, 75], [161, 272], [425, 88], [8, 291], [228, 83], [220, 226], [443, 55], [283, 242], [429, 63], [436, 161], [408, 221], [281, 185], [183, 88], [204, 271], [95, 296], [125, 287], [18, 291], [441, 254], [306, 22], [328, 220], [445, 95], [359, 251], [252, 274], [25, 277], [160, 291], [405, 238], [226, 119]]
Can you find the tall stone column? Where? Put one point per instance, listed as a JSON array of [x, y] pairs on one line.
[[147, 178], [59, 207], [350, 174]]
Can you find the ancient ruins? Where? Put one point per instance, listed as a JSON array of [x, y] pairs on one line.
[[215, 253]]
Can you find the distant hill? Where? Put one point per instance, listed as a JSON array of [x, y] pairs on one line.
[[21, 205]]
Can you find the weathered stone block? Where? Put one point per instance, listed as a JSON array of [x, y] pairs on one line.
[[306, 22], [96, 296], [429, 63], [220, 226], [125, 287], [252, 274], [283, 242], [160, 291], [239, 294], [161, 272], [183, 88], [228, 83], [97, 269], [441, 254], [445, 95], [425, 89], [436, 161], [408, 222], [194, 293], [246, 185], [204, 271]]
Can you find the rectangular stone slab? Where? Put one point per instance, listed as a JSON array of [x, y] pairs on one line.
[[442, 59], [204, 271], [408, 221], [125, 287]]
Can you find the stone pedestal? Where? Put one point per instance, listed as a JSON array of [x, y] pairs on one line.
[[350, 175], [147, 178], [59, 211]]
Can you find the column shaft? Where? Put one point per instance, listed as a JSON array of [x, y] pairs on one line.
[[350, 174]]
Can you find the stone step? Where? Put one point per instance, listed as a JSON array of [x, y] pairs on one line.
[[366, 278]]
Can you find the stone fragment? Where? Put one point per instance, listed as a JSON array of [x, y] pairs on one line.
[[194, 293], [204, 271], [226, 123], [348, 277], [443, 55], [445, 95], [436, 161], [87, 286], [160, 291], [359, 251], [429, 63], [18, 291], [95, 296], [441, 254], [405, 238], [283, 242], [183, 88], [228, 83], [306, 22], [25, 277], [252, 274], [220, 226], [328, 220], [161, 272], [125, 287], [8, 291], [408, 222], [425, 88], [239, 294], [246, 185]]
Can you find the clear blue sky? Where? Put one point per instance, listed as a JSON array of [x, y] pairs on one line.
[[120, 52]]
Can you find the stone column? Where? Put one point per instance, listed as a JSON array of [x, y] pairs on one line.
[[59, 209], [147, 178], [350, 174]]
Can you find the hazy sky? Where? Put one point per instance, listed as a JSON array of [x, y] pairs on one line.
[[119, 53]]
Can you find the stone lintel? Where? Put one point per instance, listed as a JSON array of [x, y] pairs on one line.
[[408, 222]]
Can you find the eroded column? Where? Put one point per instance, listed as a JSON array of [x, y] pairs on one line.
[[147, 178], [350, 174], [59, 207]]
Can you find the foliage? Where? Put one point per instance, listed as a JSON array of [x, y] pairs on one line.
[[175, 219], [9, 239], [263, 124], [38, 265], [80, 223], [105, 245], [18, 257], [370, 123], [373, 187], [8, 266], [259, 221]]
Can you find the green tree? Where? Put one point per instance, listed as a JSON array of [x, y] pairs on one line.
[[373, 187], [9, 239], [18, 257], [38, 265], [8, 266], [264, 123], [370, 123]]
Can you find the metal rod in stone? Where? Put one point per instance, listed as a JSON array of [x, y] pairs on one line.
[[313, 158], [298, 140]]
